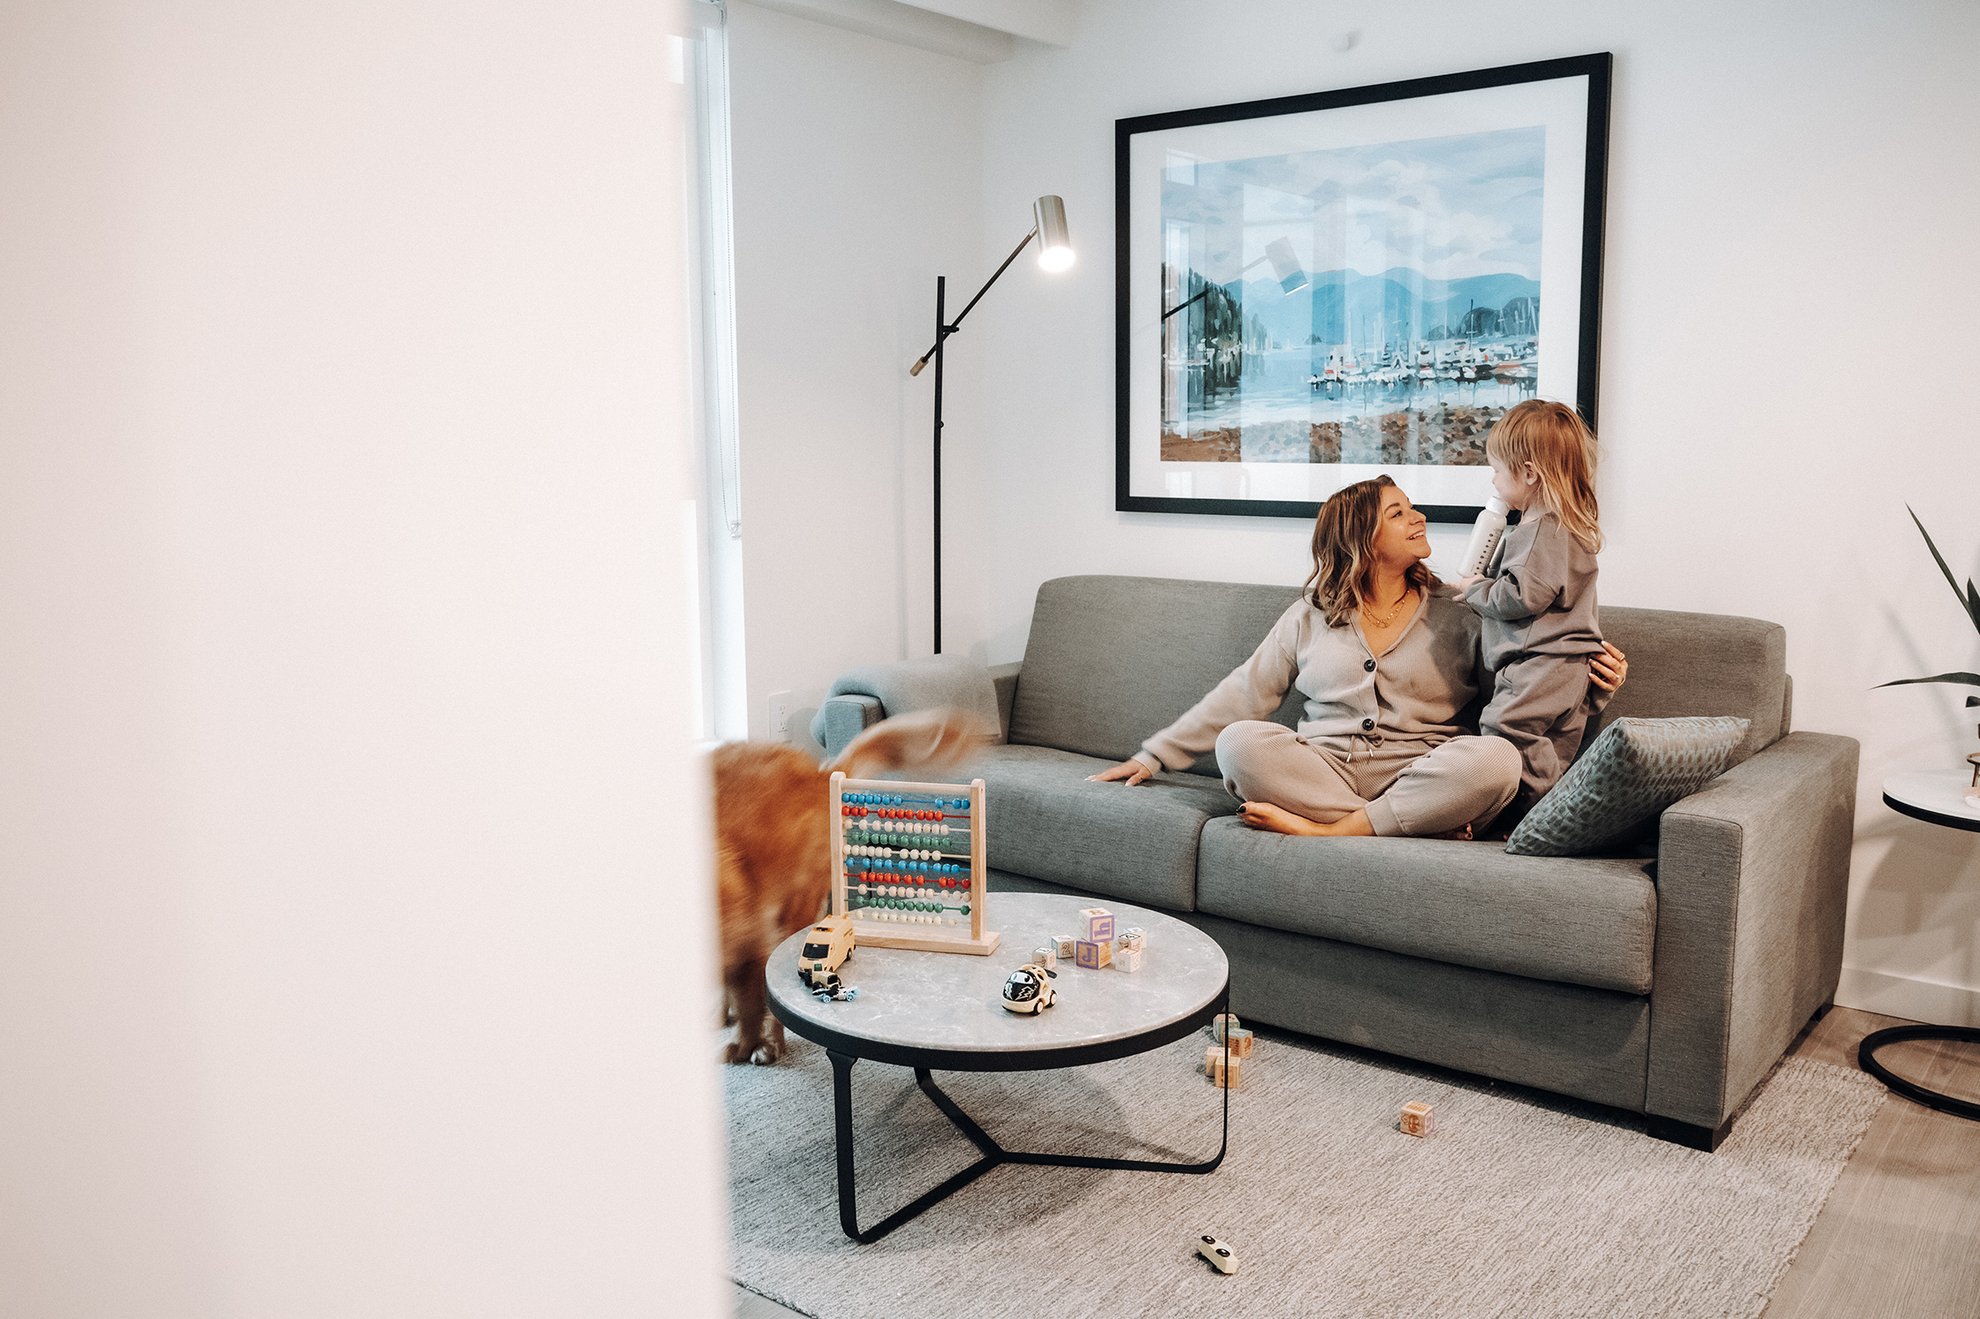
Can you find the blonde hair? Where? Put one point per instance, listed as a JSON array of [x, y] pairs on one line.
[[1553, 437], [1343, 534]]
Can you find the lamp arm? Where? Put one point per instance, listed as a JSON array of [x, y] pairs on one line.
[[1205, 289], [1194, 297], [956, 324]]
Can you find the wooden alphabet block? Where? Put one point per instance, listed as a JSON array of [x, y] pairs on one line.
[[1415, 1120], [1241, 1042], [1046, 955], [1224, 1021], [1127, 959], [1093, 956], [1064, 945], [1228, 1073], [1099, 924]]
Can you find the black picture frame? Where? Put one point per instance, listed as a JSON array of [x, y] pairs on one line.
[[1164, 470]]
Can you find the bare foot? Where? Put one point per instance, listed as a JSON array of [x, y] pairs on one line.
[[1277, 819]]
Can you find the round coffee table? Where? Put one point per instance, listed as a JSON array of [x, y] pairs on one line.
[[944, 1011], [1937, 798]]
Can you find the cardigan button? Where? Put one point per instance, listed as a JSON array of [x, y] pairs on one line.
[[1367, 724], [1368, 666]]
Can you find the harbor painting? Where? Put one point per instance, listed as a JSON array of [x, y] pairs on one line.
[[1412, 318], [1301, 318]]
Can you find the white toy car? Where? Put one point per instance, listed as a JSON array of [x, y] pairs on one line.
[[1029, 989]]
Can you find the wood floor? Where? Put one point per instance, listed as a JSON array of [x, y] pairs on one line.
[[1900, 1235]]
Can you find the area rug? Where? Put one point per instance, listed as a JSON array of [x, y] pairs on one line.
[[1515, 1204]]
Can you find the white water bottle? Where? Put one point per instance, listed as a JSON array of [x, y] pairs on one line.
[[1485, 536]]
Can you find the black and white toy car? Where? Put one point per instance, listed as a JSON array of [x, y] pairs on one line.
[[1029, 989]]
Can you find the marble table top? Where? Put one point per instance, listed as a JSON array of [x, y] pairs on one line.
[[953, 1002], [1940, 796]]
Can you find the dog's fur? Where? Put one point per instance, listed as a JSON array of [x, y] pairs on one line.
[[772, 845]]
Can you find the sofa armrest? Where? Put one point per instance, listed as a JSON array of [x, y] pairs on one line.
[[867, 695], [1752, 883], [842, 718], [1004, 677]]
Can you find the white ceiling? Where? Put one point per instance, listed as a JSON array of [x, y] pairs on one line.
[[982, 31], [1049, 21]]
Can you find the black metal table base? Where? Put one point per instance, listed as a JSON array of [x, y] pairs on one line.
[[1866, 1058], [993, 1153]]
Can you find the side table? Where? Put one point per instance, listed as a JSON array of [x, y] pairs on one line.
[[1937, 798]]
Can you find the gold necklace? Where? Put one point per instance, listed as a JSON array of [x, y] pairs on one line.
[[1383, 620]]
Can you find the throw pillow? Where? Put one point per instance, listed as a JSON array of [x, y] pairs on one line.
[[1634, 770]]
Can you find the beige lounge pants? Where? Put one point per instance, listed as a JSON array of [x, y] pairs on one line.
[[1408, 788]]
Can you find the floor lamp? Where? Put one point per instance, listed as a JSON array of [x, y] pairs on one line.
[[1048, 226]]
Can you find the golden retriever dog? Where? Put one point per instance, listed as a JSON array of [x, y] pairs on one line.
[[772, 845]]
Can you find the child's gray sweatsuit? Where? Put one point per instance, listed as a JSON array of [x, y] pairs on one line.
[[1536, 606]]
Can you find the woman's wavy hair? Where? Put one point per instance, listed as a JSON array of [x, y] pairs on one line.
[[1343, 535], [1553, 437]]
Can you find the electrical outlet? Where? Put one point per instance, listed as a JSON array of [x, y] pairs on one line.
[[780, 716]]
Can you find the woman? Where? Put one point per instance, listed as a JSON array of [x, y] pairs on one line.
[[1386, 666]]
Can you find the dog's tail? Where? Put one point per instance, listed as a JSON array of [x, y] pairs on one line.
[[927, 740]]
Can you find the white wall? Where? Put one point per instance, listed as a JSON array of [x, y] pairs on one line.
[[1787, 293], [1789, 282], [857, 173], [351, 853]]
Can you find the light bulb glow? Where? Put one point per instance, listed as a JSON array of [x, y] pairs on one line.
[[1048, 216]]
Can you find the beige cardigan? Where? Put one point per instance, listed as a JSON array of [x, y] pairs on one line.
[[1414, 691]]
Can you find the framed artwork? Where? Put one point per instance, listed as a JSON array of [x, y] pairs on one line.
[[1315, 290]]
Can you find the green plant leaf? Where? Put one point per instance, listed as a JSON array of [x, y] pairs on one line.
[[1969, 600], [1963, 679]]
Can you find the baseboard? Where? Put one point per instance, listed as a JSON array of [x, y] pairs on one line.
[[1907, 997]]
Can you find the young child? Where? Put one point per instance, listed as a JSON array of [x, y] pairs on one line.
[[1536, 600]]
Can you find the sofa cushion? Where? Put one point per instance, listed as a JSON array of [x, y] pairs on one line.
[[1137, 844], [1636, 768], [1112, 660], [1683, 664], [1580, 921]]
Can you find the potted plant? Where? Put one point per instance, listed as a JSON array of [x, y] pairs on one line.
[[1969, 600]]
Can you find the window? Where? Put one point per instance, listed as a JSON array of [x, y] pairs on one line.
[[700, 60]]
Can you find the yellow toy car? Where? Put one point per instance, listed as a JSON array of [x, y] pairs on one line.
[[826, 946]]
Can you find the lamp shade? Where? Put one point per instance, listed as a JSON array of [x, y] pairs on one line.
[[1054, 243], [1285, 266]]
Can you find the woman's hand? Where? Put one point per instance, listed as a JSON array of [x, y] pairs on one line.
[[1132, 770], [1610, 669]]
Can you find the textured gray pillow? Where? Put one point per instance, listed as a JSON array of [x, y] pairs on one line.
[[1634, 770]]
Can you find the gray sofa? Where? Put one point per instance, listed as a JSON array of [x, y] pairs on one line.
[[1665, 980]]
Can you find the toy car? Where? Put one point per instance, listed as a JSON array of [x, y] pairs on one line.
[[1217, 1253], [826, 947], [826, 987], [1029, 989]]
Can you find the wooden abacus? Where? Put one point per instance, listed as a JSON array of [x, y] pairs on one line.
[[908, 864]]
